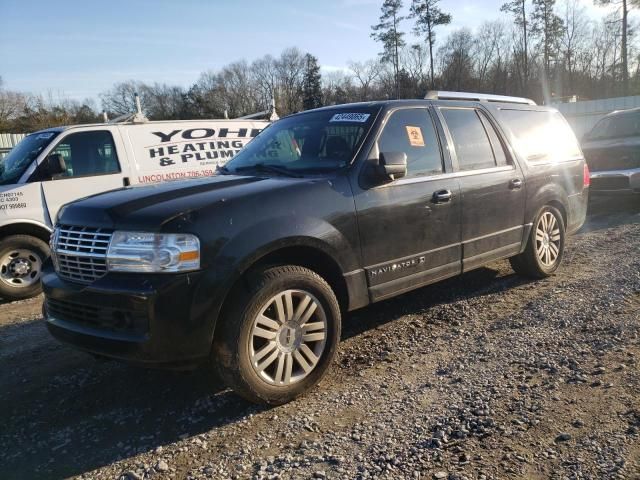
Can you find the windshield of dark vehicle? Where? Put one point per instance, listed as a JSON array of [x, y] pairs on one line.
[[317, 141], [616, 126], [22, 155]]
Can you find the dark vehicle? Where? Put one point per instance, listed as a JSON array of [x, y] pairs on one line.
[[325, 212], [612, 151]]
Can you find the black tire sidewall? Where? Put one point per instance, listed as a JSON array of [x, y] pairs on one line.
[[26, 242], [252, 386]]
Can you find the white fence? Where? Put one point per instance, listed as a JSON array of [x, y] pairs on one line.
[[8, 141], [582, 116]]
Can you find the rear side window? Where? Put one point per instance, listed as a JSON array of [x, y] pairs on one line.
[[496, 144], [88, 153], [542, 136], [472, 145], [411, 131], [617, 126]]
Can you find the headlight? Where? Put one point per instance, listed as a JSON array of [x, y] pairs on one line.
[[153, 252]]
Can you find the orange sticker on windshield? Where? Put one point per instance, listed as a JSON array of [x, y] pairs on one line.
[[415, 136]]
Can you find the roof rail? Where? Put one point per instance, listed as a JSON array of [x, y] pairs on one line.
[[478, 97]]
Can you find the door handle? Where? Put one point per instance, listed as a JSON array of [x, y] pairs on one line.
[[442, 196], [515, 184]]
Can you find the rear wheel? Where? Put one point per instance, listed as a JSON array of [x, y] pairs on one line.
[[21, 259], [545, 246], [279, 336]]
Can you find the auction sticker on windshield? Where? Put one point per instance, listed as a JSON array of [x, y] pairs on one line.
[[350, 117]]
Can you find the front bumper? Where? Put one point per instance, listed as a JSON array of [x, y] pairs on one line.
[[616, 181], [146, 319]]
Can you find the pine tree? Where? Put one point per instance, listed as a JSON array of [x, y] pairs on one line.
[[518, 8], [548, 26], [387, 32], [625, 6], [429, 16], [311, 83]]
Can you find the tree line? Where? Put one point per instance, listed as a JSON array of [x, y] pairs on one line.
[[546, 51]]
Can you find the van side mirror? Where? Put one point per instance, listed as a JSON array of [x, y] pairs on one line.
[[393, 165], [55, 164]]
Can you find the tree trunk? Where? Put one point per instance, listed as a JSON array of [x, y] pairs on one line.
[[625, 66], [526, 47], [396, 60], [430, 36]]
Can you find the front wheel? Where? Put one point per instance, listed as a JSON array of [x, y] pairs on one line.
[[21, 259], [279, 336], [545, 246]]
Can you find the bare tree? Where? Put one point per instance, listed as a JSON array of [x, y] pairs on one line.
[[518, 9], [290, 70], [365, 73]]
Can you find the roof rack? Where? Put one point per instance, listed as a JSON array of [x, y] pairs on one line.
[[137, 117], [478, 97], [273, 115]]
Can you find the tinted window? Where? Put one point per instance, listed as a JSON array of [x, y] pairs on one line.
[[411, 131], [542, 136], [617, 126], [497, 146], [88, 153], [470, 139]]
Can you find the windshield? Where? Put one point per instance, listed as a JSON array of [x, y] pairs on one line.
[[318, 141], [20, 157], [617, 126]]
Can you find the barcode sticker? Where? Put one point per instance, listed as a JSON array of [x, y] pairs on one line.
[[350, 117]]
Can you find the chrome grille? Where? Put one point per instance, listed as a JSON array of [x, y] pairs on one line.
[[80, 253]]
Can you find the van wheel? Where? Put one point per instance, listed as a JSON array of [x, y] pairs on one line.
[[545, 246], [279, 336], [21, 259]]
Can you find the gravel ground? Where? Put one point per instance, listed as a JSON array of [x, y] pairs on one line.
[[486, 376]]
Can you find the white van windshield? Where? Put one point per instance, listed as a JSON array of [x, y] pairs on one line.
[[20, 157]]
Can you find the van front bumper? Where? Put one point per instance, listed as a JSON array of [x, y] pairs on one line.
[[616, 181], [140, 318]]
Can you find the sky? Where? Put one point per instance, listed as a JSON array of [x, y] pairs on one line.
[[78, 48]]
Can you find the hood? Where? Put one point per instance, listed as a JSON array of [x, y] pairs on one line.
[[151, 207]]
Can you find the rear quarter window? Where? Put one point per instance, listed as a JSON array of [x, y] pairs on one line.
[[542, 136]]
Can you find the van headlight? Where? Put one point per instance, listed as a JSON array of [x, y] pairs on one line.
[[153, 252]]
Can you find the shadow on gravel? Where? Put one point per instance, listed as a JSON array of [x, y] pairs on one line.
[[611, 211], [479, 282], [62, 413]]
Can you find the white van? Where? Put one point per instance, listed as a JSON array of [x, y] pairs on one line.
[[56, 166]]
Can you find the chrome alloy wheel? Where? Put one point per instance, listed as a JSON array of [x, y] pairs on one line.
[[20, 268], [288, 337], [547, 239]]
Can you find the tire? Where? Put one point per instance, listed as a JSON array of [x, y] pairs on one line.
[[246, 341], [21, 260], [533, 262]]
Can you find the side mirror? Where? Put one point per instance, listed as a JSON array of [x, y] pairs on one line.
[[55, 164], [393, 164]]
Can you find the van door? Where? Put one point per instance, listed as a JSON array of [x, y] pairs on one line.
[[92, 166], [491, 184]]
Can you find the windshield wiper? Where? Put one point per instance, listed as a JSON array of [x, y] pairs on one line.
[[267, 167]]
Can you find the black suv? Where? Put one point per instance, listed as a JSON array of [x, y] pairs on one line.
[[612, 151], [324, 212]]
